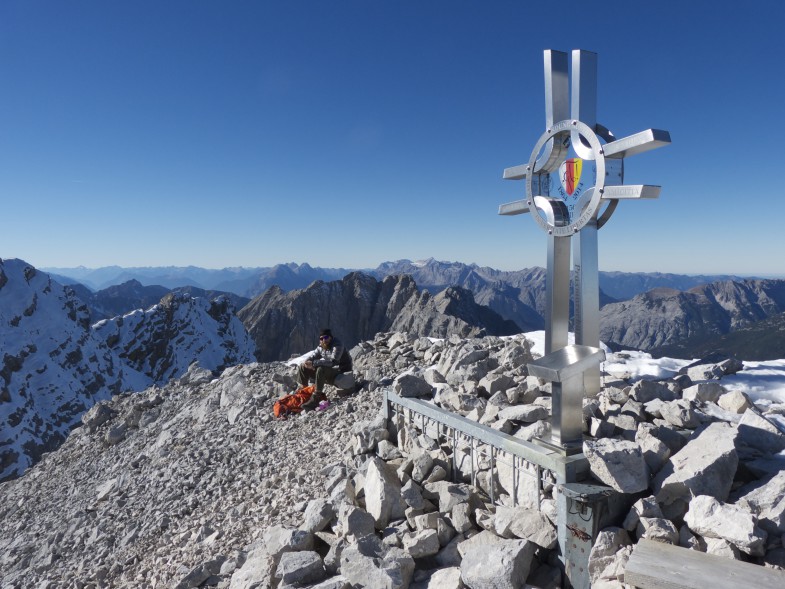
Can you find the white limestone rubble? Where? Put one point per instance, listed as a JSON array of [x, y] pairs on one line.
[[205, 488]]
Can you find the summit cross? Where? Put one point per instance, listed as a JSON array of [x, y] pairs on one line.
[[574, 181]]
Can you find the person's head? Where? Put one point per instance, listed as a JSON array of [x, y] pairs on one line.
[[325, 338]]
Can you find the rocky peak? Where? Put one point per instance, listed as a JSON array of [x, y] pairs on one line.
[[163, 341], [356, 308], [54, 366]]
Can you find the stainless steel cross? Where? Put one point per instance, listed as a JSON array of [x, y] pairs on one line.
[[574, 181]]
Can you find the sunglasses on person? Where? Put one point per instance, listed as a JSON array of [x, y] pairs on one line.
[[324, 338]]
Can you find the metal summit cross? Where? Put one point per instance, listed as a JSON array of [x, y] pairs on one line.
[[575, 169]]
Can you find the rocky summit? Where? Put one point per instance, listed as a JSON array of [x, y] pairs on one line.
[[195, 484]]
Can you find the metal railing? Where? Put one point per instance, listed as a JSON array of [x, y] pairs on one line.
[[524, 457]]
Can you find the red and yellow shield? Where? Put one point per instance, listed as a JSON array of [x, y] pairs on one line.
[[570, 174]]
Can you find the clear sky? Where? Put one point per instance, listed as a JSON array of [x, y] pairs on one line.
[[347, 133]]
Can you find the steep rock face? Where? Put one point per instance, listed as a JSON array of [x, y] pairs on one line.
[[763, 340], [52, 367], [662, 317], [163, 341], [452, 311], [356, 308], [518, 296], [514, 303]]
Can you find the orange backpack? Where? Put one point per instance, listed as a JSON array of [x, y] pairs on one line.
[[292, 404]]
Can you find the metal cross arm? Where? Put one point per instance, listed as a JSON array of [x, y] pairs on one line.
[[620, 192], [637, 143]]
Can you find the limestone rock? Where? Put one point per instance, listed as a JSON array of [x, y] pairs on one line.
[[421, 543], [766, 499], [760, 433], [382, 493], [608, 554], [644, 391], [526, 524], [734, 401], [370, 563], [713, 519], [524, 413], [705, 466], [504, 565], [300, 568], [411, 385], [317, 515], [705, 392], [618, 463]]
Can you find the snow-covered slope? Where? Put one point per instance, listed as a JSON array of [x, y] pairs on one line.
[[163, 341], [54, 365]]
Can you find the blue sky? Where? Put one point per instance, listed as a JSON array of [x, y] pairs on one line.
[[347, 133]]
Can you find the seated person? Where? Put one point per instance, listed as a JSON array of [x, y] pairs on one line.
[[327, 361]]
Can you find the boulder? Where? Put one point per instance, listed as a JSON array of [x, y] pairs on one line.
[[355, 521], [504, 565], [655, 451], [446, 578], [704, 392], [300, 568], [705, 466], [524, 413], [451, 494], [734, 402], [421, 543], [644, 391], [278, 539], [766, 499], [382, 493], [255, 573], [680, 413], [713, 519], [645, 507], [496, 383], [370, 563], [526, 524], [317, 515], [760, 433], [658, 529], [608, 554], [411, 385], [618, 463]]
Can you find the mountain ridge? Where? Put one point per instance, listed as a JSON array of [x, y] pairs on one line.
[[55, 363]]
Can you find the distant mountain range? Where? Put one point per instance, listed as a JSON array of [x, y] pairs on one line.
[[244, 282], [430, 274], [656, 312]]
